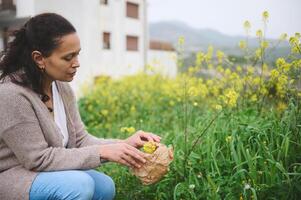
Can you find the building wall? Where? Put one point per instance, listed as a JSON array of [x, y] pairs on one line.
[[91, 19], [163, 62], [117, 61]]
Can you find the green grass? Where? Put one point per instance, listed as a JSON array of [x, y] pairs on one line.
[[243, 154]]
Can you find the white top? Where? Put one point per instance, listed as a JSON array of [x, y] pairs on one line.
[[59, 113]]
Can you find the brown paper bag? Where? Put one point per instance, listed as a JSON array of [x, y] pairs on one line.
[[156, 165]]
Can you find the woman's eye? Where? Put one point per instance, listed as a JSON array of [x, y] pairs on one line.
[[68, 58]]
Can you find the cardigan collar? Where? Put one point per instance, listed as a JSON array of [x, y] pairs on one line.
[[67, 101]]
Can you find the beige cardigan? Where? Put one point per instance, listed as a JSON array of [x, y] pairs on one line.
[[30, 141]]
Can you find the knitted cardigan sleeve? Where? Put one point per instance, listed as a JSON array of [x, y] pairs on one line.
[[22, 133]]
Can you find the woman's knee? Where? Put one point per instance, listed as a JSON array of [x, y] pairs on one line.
[[63, 185], [83, 187], [104, 185], [109, 188]]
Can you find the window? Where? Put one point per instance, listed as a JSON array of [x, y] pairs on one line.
[[132, 43], [104, 2], [106, 40], [132, 10]]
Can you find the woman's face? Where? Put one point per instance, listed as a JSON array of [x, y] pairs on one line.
[[63, 62]]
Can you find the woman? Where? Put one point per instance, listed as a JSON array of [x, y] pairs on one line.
[[45, 152]]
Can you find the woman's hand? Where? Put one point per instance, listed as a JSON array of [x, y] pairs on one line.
[[122, 153], [140, 137]]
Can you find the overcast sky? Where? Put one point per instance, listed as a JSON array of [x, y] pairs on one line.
[[227, 16]]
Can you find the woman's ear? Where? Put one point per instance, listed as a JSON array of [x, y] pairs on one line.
[[38, 58]]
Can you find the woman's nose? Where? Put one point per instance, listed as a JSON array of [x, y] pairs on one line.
[[76, 63]]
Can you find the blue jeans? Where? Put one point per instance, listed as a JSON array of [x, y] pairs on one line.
[[72, 184]]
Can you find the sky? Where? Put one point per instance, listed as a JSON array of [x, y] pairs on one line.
[[228, 16]]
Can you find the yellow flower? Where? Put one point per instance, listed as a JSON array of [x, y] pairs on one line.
[[251, 70], [238, 69], [265, 67], [281, 106], [227, 72], [123, 129], [200, 57], [254, 98], [181, 40], [133, 109], [259, 33], [229, 138], [265, 15], [274, 74], [256, 80], [218, 107], [209, 82], [280, 62], [258, 53], [231, 98], [150, 147], [242, 44], [293, 41], [247, 25], [104, 112], [171, 103], [264, 44], [220, 69], [283, 36], [220, 55], [131, 130], [193, 91]]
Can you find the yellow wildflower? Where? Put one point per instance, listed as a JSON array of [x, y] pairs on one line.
[[104, 112], [274, 74], [131, 130], [220, 69], [242, 44], [280, 62], [227, 72], [181, 40], [231, 98], [228, 138], [238, 68], [259, 33], [150, 147], [281, 106], [265, 15], [218, 107], [283, 36], [220, 55], [247, 25], [264, 44], [254, 98], [251, 70]]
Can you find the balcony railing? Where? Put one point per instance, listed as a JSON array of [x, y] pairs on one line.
[[7, 5]]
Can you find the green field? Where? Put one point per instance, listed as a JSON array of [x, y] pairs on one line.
[[236, 135]]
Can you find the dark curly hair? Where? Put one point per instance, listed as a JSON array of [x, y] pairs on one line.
[[40, 33]]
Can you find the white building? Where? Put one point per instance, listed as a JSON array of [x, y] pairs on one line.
[[113, 33]]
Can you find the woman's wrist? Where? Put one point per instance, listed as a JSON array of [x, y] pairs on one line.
[[102, 152]]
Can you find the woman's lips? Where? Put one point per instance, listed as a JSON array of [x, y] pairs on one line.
[[72, 74]]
